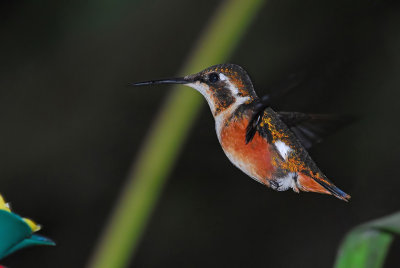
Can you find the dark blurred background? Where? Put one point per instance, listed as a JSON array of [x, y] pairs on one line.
[[70, 128]]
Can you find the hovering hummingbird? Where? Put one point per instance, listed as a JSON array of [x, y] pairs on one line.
[[268, 146]]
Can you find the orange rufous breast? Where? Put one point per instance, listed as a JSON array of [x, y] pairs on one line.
[[253, 158]]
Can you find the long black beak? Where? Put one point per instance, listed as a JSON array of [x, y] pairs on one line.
[[179, 80]]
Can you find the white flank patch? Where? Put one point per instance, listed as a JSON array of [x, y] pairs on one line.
[[283, 149], [285, 183]]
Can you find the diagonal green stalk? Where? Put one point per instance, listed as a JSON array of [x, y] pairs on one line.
[[166, 137]]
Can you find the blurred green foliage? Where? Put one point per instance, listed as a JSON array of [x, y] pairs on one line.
[[366, 246]]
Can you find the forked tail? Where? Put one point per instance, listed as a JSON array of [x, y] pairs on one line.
[[321, 185]]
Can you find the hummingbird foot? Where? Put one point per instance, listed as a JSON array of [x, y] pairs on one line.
[[285, 182]]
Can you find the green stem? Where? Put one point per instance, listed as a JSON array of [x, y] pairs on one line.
[[166, 137]]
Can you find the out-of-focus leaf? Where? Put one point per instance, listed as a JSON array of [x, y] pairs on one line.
[[367, 245]]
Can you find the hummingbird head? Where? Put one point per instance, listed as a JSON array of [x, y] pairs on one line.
[[224, 86]]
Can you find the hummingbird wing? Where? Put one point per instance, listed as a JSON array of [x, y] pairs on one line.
[[276, 92], [292, 165], [308, 128], [313, 128]]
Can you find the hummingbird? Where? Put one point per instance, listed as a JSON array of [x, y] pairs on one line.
[[268, 146]]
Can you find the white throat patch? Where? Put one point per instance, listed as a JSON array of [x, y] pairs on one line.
[[222, 116], [283, 149], [204, 90]]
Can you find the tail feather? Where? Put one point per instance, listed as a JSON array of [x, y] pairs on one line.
[[314, 184]]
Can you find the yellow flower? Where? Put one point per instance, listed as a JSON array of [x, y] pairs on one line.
[[3, 205], [6, 206]]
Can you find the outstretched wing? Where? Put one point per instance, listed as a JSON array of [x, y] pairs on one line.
[[313, 128]]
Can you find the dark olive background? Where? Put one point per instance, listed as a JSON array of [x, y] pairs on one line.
[[70, 128]]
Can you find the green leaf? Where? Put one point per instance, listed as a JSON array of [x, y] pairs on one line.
[[367, 245]]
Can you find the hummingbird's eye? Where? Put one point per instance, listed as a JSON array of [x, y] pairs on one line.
[[213, 77]]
